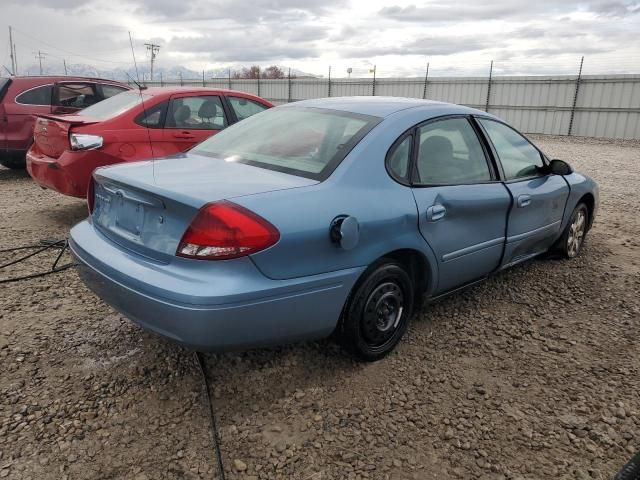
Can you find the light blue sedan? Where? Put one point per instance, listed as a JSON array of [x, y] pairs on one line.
[[330, 215]]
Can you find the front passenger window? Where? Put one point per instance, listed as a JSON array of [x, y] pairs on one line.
[[519, 158], [449, 153]]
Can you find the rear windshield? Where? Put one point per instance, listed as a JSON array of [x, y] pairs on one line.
[[114, 106], [308, 142]]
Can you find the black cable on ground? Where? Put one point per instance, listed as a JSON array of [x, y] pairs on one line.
[[44, 245], [212, 416]]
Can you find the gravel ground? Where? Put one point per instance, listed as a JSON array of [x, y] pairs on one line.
[[533, 374]]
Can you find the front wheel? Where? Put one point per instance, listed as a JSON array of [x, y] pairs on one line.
[[572, 238], [377, 313]]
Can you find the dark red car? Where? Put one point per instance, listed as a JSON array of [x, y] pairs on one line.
[[23, 97], [135, 125]]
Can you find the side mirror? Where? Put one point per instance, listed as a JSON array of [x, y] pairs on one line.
[[560, 167]]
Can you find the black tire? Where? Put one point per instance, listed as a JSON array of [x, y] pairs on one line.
[[567, 245], [378, 311], [631, 470]]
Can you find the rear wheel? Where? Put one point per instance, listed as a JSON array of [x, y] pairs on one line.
[[378, 311], [572, 238]]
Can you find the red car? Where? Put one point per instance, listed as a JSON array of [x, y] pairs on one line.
[[135, 125], [23, 97]]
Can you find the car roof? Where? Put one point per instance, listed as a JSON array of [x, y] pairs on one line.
[[168, 91], [59, 78], [382, 106]]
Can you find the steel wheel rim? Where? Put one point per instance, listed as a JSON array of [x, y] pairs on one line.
[[576, 234], [382, 314]]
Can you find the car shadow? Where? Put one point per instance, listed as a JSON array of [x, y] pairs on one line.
[[66, 215], [11, 174]]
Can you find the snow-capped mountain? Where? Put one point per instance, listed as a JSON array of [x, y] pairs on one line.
[[129, 73]]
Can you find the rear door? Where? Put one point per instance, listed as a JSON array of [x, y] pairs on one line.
[[69, 97], [461, 202], [539, 198], [192, 119]]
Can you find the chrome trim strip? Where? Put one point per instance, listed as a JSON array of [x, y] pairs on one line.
[[521, 236], [472, 249]]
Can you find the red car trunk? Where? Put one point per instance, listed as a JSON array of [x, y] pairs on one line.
[[51, 133]]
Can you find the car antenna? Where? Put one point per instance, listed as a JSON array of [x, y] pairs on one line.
[[144, 109]]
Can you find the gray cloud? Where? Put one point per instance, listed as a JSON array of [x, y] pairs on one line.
[[441, 11], [426, 46]]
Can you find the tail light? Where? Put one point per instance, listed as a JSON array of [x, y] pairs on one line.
[[224, 230], [91, 194], [81, 141]]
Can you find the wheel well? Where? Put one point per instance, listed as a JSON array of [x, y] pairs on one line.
[[416, 264], [590, 202]]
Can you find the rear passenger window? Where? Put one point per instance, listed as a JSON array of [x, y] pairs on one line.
[[109, 91], [196, 113], [36, 96], [153, 117], [450, 153], [76, 95], [398, 159], [244, 107]]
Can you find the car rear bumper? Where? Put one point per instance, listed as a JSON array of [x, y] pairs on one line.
[[210, 305], [70, 173]]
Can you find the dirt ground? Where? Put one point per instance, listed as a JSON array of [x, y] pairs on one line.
[[533, 374]]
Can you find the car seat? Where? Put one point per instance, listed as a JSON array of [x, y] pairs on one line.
[[181, 115], [436, 163], [208, 111]]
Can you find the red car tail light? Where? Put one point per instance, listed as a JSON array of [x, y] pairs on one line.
[[91, 195], [224, 230]]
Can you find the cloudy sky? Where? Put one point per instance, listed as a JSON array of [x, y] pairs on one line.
[[456, 37]]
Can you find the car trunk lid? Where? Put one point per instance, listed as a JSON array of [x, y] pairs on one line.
[[51, 132], [147, 206]]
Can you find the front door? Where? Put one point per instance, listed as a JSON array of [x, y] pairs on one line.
[[462, 204], [192, 119], [539, 198]]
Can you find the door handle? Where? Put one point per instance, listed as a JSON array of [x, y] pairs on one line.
[[524, 201], [436, 212], [186, 135]]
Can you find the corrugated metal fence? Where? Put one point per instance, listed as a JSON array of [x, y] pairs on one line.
[[592, 106]]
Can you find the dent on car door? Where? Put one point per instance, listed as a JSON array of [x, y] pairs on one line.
[[192, 119], [539, 198], [461, 204]]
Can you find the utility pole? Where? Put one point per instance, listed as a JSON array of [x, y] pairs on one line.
[[486, 107], [575, 97], [426, 82], [64, 62], [12, 54], [373, 90], [153, 50], [329, 86], [40, 56]]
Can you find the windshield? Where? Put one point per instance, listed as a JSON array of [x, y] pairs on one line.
[[308, 142], [114, 106]]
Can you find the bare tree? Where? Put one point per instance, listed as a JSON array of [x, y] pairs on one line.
[[254, 72]]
